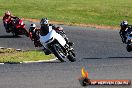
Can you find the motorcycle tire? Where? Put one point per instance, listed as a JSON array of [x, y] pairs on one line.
[[129, 48], [56, 49], [71, 56]]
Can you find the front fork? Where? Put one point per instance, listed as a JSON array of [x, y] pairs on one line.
[[68, 48]]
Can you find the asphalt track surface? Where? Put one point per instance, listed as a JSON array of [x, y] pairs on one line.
[[99, 51]]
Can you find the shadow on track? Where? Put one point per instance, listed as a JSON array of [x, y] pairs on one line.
[[51, 62], [92, 58], [107, 58], [119, 57], [9, 36]]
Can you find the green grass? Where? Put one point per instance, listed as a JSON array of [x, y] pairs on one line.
[[14, 56], [100, 12]]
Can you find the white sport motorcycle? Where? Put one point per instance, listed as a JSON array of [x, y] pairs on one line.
[[57, 45]]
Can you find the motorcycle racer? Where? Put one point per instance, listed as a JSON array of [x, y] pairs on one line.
[[45, 27], [123, 30], [7, 18], [34, 35], [54, 41]]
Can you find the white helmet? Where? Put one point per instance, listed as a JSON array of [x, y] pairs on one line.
[[33, 25]]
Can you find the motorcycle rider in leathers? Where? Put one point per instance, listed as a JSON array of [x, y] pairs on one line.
[[7, 18], [123, 31], [44, 29], [34, 35]]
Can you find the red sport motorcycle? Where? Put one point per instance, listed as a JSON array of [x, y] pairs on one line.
[[17, 27]]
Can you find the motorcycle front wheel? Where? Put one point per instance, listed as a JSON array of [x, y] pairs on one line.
[[59, 52], [71, 56]]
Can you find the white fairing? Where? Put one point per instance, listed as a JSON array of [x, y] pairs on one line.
[[129, 37], [52, 34]]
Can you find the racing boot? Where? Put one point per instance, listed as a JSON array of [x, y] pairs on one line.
[[124, 39], [46, 51], [37, 43]]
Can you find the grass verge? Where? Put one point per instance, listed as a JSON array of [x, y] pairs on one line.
[[10, 55], [100, 12]]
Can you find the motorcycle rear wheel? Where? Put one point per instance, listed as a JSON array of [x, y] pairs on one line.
[[129, 48]]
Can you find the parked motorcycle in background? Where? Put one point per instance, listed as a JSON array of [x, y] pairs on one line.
[[57, 45]]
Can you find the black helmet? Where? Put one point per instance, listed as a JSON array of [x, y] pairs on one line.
[[124, 24], [44, 21]]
